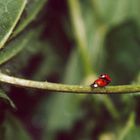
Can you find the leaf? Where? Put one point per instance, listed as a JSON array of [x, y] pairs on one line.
[[32, 9], [134, 134], [117, 12], [63, 112], [49, 64], [3, 96], [13, 129], [15, 46], [122, 60], [74, 70], [10, 12]]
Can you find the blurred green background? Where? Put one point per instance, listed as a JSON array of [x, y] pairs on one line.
[[72, 42]]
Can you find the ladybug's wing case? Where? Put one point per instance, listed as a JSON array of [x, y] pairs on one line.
[[99, 83]]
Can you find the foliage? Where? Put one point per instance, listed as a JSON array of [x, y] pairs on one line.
[[69, 42]]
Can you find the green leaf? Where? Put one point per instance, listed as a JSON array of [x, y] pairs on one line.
[[13, 129], [117, 12], [10, 12], [3, 96], [17, 45], [74, 70], [134, 134], [49, 64], [124, 48], [63, 112], [32, 10]]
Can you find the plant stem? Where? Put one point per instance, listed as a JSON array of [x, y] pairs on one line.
[[96, 12], [129, 125], [80, 34], [111, 107], [68, 88]]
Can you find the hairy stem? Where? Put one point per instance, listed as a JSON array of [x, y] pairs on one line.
[[68, 88]]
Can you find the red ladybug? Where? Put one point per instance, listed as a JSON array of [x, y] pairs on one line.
[[102, 81]]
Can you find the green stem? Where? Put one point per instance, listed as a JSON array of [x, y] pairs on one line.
[[97, 15], [80, 34], [110, 106], [68, 88], [128, 127]]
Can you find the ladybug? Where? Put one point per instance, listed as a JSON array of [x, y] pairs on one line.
[[102, 81]]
